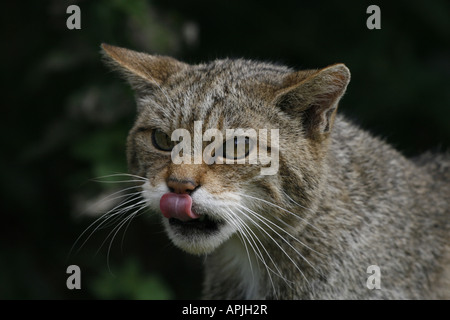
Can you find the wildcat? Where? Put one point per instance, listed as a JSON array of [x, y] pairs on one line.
[[340, 201]]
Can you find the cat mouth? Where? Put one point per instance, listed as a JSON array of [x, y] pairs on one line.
[[196, 227], [185, 217], [204, 224]]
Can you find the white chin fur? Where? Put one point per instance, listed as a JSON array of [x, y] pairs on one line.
[[201, 243]]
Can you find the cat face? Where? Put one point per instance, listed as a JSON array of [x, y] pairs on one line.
[[215, 189], [206, 201]]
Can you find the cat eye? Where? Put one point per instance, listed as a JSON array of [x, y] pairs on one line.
[[238, 151], [162, 141]]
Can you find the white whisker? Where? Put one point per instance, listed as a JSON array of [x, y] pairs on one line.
[[258, 254], [128, 225], [116, 230], [242, 235], [116, 212], [128, 201], [274, 224], [122, 174], [111, 214], [292, 200], [120, 181], [279, 246], [278, 273], [283, 209]]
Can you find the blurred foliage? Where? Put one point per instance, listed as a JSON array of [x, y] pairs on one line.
[[131, 283], [66, 117]]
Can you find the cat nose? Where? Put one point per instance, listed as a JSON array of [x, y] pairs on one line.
[[181, 186]]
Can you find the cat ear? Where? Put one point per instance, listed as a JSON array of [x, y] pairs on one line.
[[313, 97], [141, 69]]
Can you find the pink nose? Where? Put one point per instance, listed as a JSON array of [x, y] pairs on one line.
[[181, 186]]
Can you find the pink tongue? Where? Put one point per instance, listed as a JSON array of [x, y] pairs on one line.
[[178, 206]]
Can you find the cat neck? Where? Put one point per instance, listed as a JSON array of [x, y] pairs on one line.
[[232, 272]]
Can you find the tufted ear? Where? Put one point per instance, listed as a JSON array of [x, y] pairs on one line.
[[141, 69], [313, 96]]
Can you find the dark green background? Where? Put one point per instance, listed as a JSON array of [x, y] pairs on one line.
[[65, 117]]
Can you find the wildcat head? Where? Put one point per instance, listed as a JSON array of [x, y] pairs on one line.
[[205, 201]]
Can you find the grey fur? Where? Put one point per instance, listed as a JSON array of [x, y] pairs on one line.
[[357, 201]]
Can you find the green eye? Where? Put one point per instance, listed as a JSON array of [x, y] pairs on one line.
[[162, 141], [238, 148]]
